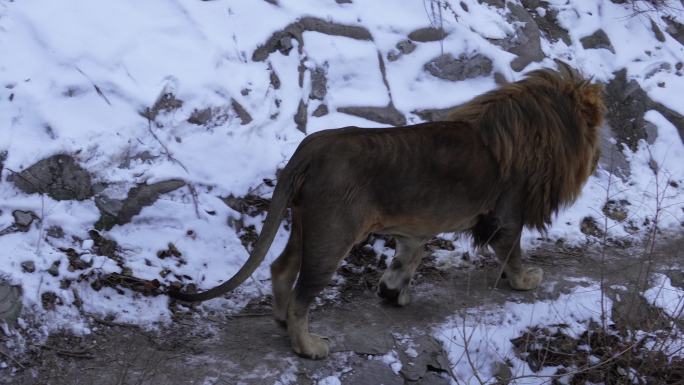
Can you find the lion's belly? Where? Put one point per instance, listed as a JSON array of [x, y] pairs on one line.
[[428, 219]]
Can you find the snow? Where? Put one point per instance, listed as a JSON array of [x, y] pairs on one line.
[[330, 380], [479, 338], [665, 296], [78, 81]]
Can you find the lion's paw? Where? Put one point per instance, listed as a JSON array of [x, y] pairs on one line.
[[312, 346], [397, 296], [528, 279]]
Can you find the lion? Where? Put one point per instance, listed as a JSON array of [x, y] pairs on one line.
[[506, 160]]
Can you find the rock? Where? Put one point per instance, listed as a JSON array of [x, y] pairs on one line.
[[166, 102], [590, 227], [343, 1], [626, 103], [502, 373], [273, 77], [597, 40], [527, 40], [616, 210], [28, 266], [386, 115], [200, 117], [3, 158], [364, 342], [660, 67], [676, 278], [281, 40], [54, 268], [10, 302], [58, 176], [319, 84], [119, 212], [674, 29], [241, 112], [430, 358], [406, 46], [321, 110], [631, 311], [548, 24], [427, 34], [393, 55], [50, 300], [657, 32], [300, 117], [23, 219], [369, 371], [450, 68]]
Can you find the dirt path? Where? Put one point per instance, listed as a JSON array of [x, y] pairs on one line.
[[251, 348]]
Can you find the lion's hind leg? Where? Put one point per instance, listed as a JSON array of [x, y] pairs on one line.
[[394, 283], [285, 268], [324, 246]]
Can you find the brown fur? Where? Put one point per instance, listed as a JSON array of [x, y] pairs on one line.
[[526, 127], [507, 159]]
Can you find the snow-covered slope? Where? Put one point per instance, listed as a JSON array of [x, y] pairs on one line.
[[217, 94]]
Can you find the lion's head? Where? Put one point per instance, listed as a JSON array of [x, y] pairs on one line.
[[542, 130]]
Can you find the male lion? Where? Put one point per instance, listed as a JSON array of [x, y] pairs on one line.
[[507, 159]]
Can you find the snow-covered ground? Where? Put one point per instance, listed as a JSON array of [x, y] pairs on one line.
[[75, 77]]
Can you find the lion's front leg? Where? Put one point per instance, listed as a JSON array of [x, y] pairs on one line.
[[394, 283], [507, 248]]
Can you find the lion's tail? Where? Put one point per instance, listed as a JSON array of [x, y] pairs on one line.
[[286, 188]]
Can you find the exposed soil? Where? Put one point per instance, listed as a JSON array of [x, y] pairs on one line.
[[250, 348]]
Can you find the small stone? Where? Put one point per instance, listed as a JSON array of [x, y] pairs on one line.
[[393, 55], [23, 219], [406, 46], [616, 210], [10, 302], [321, 110], [502, 373], [50, 300], [660, 36], [200, 117], [679, 66], [319, 83], [455, 69], [55, 232], [661, 84], [28, 266], [427, 34], [54, 269], [241, 112], [590, 227], [300, 117], [597, 40]]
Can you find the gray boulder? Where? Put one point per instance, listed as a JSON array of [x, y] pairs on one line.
[[10, 302], [119, 212], [58, 176], [597, 40], [448, 67]]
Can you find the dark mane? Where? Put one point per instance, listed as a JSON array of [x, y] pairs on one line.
[[543, 130]]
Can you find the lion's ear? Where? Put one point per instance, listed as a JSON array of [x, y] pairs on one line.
[[591, 104]]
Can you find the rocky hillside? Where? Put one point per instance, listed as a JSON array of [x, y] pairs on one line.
[[139, 142]]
